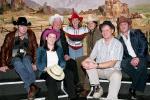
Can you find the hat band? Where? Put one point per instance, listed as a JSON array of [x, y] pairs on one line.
[[54, 73]]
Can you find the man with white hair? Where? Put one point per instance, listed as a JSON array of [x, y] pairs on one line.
[[56, 22]]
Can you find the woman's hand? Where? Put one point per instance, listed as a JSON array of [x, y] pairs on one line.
[[45, 69]]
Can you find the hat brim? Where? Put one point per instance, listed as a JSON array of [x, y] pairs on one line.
[[123, 19], [25, 24], [56, 77], [80, 18], [91, 19], [46, 32], [127, 21]]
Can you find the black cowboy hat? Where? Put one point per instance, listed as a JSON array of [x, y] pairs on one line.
[[109, 23], [22, 21]]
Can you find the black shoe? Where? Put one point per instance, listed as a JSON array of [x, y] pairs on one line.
[[79, 88], [132, 94], [74, 98]]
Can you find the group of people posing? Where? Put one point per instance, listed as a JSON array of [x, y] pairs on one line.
[[60, 56]]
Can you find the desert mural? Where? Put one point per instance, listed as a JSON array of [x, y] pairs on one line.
[[39, 11]]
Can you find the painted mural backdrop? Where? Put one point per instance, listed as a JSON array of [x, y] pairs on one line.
[[39, 11]]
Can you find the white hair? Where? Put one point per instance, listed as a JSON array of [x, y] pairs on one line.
[[56, 16]]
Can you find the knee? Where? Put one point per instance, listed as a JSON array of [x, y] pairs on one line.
[[117, 75], [142, 67], [16, 60], [94, 70], [27, 58]]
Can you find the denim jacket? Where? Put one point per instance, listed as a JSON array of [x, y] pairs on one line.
[[41, 60]]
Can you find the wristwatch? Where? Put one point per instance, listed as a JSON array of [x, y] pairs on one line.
[[97, 65]]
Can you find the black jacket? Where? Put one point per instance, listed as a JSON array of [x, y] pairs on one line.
[[138, 42], [64, 42]]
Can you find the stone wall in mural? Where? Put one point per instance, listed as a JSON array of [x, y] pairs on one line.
[[109, 8], [116, 8], [104, 9]]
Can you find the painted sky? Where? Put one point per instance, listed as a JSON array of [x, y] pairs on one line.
[[136, 2], [82, 4], [69, 2]]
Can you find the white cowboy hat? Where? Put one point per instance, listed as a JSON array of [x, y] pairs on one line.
[[56, 72], [51, 19], [91, 18]]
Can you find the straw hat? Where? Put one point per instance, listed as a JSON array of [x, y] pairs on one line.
[[56, 72], [91, 18]]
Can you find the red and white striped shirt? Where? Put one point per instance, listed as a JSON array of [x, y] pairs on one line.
[[75, 36]]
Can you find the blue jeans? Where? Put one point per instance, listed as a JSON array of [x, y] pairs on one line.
[[74, 54], [23, 66]]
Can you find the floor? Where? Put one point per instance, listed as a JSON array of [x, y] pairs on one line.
[[22, 97]]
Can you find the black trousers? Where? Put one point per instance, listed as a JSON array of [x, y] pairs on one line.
[[52, 88], [53, 85], [71, 65], [139, 75], [71, 78], [70, 81]]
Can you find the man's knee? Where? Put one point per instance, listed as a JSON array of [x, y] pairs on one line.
[[93, 71], [16, 62], [15, 59], [27, 58], [117, 75]]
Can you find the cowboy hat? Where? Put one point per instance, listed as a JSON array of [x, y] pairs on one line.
[[52, 18], [91, 18], [122, 19], [56, 72], [75, 15], [109, 23], [46, 32], [22, 21]]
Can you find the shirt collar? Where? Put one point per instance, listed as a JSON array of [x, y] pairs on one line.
[[26, 35], [124, 36], [103, 41]]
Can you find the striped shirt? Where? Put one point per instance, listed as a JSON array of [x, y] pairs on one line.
[[75, 36], [103, 52]]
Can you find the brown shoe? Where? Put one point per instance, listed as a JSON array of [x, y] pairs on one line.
[[33, 91]]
